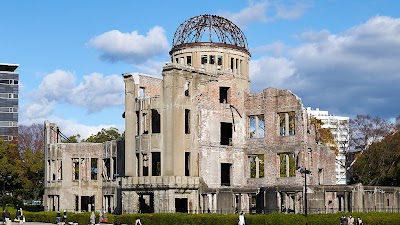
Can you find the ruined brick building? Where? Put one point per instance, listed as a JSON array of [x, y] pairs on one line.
[[196, 140]]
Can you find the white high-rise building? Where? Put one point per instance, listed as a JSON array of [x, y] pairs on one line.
[[340, 129]]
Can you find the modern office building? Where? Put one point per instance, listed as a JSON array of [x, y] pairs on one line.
[[8, 101], [339, 126]]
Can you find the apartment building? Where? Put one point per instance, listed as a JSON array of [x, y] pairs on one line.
[[339, 126], [8, 101]]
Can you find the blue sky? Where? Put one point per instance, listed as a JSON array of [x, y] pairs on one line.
[[340, 56]]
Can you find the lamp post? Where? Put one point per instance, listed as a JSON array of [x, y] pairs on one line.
[[305, 172], [4, 178]]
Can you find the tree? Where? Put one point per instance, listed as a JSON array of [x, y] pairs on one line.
[[72, 139], [31, 150], [10, 166], [380, 164], [324, 135], [365, 130], [104, 135], [31, 137]]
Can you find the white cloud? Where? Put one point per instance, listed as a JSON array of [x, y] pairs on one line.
[[56, 85], [131, 47], [97, 92], [266, 11], [35, 110], [151, 68], [254, 12], [273, 71], [354, 72]]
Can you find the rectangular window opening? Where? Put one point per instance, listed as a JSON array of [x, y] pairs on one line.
[[256, 166], [203, 59], [256, 126], [292, 123], [223, 94], [226, 134], [189, 60], [287, 123], [93, 169], [187, 121], [187, 163], [142, 92], [212, 59], [144, 124], [75, 169], [225, 174], [155, 122], [156, 164], [219, 60], [287, 164], [186, 87], [145, 165]]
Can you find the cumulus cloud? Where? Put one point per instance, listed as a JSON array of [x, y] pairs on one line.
[[151, 68], [94, 93], [266, 11], [131, 47], [354, 72]]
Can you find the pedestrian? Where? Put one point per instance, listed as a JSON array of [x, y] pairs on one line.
[[21, 216], [101, 216], [241, 219], [343, 220], [350, 220], [58, 216], [65, 216], [17, 216], [138, 221], [359, 221], [92, 218], [6, 216]]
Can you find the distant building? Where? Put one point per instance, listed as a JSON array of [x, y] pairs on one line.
[[9, 101], [340, 129]]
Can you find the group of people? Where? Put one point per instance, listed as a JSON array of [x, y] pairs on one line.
[[350, 220], [19, 216]]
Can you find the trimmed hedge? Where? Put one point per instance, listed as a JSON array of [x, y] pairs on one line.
[[372, 218]]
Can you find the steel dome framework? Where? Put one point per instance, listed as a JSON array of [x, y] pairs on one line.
[[209, 29]]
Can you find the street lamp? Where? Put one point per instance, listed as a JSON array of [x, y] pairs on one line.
[[4, 187], [305, 172]]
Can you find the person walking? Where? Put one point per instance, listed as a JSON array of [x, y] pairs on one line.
[[242, 220], [58, 217], [6, 216], [65, 216], [359, 221], [92, 218], [138, 221], [350, 220]]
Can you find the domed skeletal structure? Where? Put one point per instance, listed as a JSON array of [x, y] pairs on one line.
[[209, 29]]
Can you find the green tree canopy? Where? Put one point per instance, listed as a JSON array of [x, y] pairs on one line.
[[72, 139], [31, 151], [380, 163], [104, 135]]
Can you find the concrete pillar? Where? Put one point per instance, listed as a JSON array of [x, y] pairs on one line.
[[173, 124], [130, 125]]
